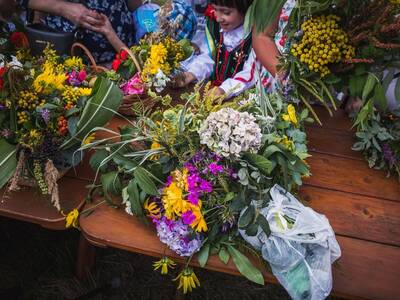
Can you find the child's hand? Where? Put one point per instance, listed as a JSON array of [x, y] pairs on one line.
[[216, 92], [182, 80]]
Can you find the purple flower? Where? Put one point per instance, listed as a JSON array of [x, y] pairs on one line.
[[388, 154], [188, 217], [215, 168], [2, 106], [205, 186], [178, 236], [45, 113], [193, 197]]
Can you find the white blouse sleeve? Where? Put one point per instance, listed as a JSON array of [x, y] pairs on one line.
[[243, 80], [202, 65]]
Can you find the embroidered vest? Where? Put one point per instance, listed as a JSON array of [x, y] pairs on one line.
[[227, 63]]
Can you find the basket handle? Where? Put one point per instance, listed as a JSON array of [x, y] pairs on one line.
[[97, 69], [135, 61]]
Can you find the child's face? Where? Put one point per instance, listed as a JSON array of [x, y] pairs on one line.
[[228, 18]]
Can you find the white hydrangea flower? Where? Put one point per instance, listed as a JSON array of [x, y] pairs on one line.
[[160, 81], [230, 133]]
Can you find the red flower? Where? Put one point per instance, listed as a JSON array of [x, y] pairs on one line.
[[282, 41], [1, 83], [123, 54], [19, 40], [2, 71], [82, 75], [115, 64], [210, 12]]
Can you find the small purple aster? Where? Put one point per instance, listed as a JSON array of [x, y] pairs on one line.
[[45, 113], [388, 154]]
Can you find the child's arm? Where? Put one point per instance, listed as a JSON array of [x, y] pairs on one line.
[[108, 31], [265, 48], [242, 81]]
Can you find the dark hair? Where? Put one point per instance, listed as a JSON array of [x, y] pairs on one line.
[[240, 5]]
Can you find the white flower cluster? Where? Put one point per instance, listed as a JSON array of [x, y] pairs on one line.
[[160, 81], [230, 133]]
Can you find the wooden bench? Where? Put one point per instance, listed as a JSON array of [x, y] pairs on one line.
[[363, 207]]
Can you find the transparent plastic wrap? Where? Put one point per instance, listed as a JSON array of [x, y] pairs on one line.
[[301, 248]]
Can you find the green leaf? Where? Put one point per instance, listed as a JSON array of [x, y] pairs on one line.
[[263, 164], [397, 90], [380, 97], [8, 161], [247, 217], [202, 256], [72, 123], [252, 229], [369, 86], [111, 183], [144, 181], [99, 109], [223, 255], [356, 84], [262, 221], [97, 158], [244, 266], [134, 198]]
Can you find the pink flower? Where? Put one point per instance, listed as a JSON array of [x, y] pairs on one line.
[[188, 217], [133, 86], [82, 75]]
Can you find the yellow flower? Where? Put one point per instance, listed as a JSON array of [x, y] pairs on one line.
[[48, 80], [199, 224], [291, 115], [72, 219], [187, 280], [285, 141], [164, 263], [156, 61], [85, 91], [173, 202], [152, 209], [74, 62], [155, 145], [180, 178], [89, 139]]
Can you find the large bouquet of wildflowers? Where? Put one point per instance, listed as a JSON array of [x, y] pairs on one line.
[[202, 170], [47, 109]]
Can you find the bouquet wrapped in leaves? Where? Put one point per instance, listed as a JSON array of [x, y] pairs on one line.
[[47, 109], [201, 170]]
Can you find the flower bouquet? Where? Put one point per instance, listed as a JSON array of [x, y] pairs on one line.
[[146, 66], [202, 170], [47, 109]]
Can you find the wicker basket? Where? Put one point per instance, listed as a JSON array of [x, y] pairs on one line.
[[142, 101], [95, 68]]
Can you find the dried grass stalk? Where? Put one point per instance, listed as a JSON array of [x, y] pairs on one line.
[[18, 171], [50, 176]]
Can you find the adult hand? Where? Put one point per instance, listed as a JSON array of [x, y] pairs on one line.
[[81, 16]]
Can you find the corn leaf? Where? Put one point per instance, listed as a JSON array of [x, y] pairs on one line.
[[8, 161], [99, 109]]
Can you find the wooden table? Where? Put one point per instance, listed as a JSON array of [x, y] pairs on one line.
[[29, 206], [363, 207]]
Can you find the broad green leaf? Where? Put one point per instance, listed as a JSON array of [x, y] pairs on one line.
[[144, 181], [99, 109], [97, 158], [252, 229], [244, 266], [134, 198], [72, 123], [223, 255], [247, 217], [111, 183], [263, 164], [380, 97], [397, 90], [8, 161], [356, 84], [262, 221], [202, 256], [369, 86]]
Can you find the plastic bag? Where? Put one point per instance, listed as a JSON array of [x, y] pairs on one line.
[[145, 19], [301, 248]]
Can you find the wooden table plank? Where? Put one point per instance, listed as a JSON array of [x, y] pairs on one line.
[[340, 121], [353, 176], [29, 206], [330, 141], [366, 270], [356, 216]]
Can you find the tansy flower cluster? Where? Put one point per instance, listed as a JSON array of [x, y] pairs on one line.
[[322, 43]]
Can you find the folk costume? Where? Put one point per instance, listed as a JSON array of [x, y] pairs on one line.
[[224, 58]]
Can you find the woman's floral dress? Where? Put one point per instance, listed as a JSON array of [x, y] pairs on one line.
[[119, 15], [268, 81]]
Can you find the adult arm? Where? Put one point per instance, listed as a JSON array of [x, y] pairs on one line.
[[265, 48], [74, 12]]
